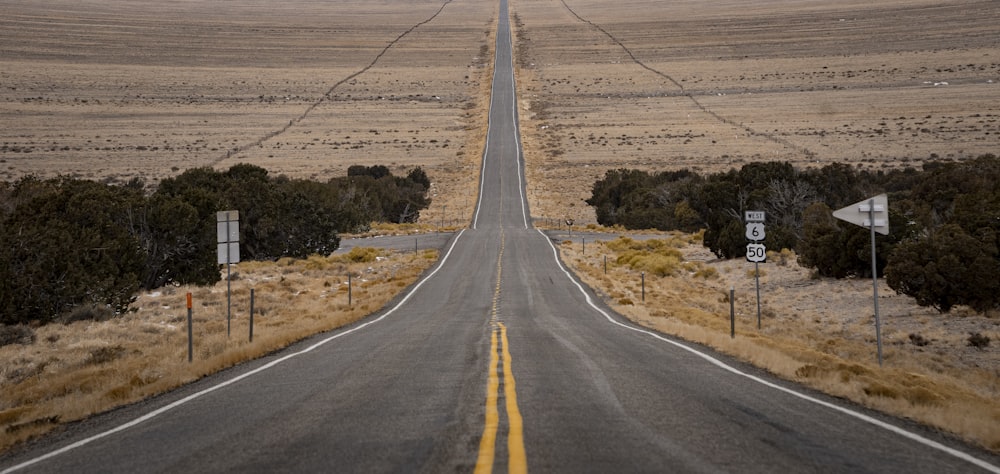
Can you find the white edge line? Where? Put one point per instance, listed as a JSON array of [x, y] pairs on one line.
[[233, 380], [861, 416], [486, 147], [517, 126], [482, 169]]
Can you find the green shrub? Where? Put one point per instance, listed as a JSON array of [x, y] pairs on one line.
[[16, 334], [76, 249], [944, 200], [979, 341]]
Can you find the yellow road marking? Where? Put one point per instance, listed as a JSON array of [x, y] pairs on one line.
[[516, 459], [487, 444]]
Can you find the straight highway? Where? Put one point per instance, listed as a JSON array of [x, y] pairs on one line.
[[497, 360]]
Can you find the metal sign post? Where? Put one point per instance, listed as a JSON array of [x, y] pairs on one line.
[[228, 250], [756, 251], [872, 213]]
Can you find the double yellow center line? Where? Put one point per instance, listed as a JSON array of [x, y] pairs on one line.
[[499, 352]]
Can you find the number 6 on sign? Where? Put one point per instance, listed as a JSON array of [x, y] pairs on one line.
[[755, 231], [756, 253]]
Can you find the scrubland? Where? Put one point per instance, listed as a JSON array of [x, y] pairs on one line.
[[710, 86], [116, 90]]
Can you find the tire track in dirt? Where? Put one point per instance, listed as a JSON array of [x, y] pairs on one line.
[[781, 141], [326, 96]]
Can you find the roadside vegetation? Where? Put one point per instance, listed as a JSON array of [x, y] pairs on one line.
[[73, 249], [94, 280], [943, 248]]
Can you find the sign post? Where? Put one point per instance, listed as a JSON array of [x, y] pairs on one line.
[[190, 331], [872, 213], [228, 250], [756, 251]]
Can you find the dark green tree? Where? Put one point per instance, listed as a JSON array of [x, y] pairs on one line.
[[66, 244], [947, 267]]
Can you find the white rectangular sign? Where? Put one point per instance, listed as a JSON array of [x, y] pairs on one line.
[[222, 231], [228, 233], [754, 216], [228, 253]]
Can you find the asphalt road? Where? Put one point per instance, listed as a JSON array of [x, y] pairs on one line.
[[497, 360]]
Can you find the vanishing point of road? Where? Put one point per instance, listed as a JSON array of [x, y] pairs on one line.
[[498, 359]]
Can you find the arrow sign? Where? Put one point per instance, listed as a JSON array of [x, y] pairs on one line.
[[861, 213], [872, 213]]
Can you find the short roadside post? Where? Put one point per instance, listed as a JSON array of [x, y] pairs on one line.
[[190, 331], [756, 251], [732, 312], [251, 314], [872, 213], [644, 286]]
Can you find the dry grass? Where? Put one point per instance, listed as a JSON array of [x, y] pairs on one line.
[[75, 370], [714, 85], [817, 332], [305, 90]]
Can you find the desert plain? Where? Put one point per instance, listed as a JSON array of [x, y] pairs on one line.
[[119, 89]]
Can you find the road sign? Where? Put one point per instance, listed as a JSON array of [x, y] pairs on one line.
[[755, 231], [872, 213], [756, 253], [753, 216], [863, 213], [228, 251], [228, 231]]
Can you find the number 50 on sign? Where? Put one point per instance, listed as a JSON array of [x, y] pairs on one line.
[[756, 253]]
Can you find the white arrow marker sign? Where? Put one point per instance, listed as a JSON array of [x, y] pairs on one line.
[[860, 213]]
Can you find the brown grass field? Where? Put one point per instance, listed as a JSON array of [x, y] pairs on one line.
[[111, 90], [712, 85]]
